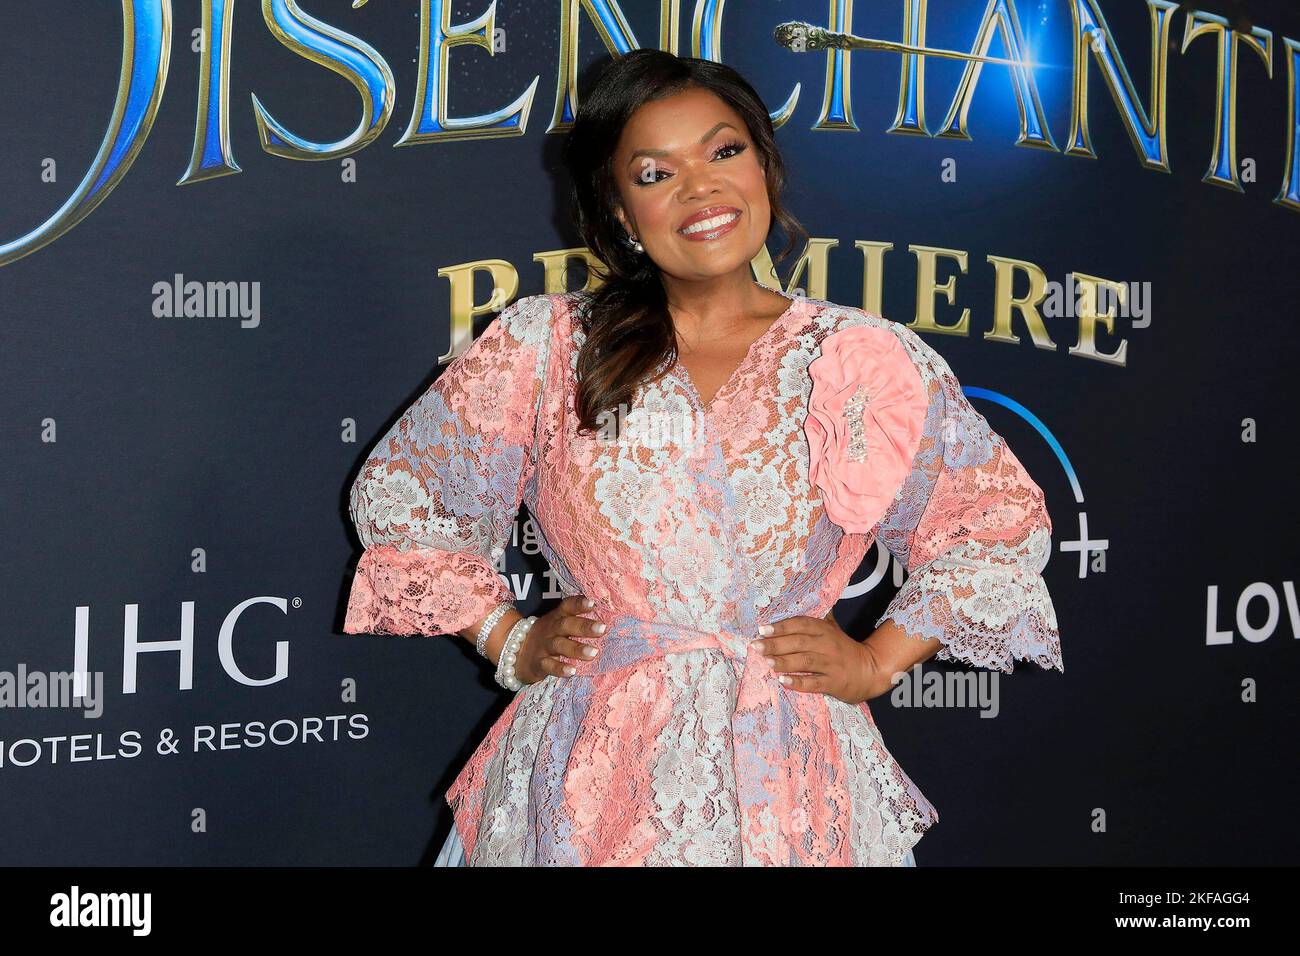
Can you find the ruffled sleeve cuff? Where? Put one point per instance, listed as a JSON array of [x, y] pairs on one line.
[[424, 591], [866, 416], [987, 607]]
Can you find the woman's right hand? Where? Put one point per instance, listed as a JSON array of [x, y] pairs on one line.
[[551, 638]]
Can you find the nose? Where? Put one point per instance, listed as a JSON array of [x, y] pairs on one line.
[[699, 181]]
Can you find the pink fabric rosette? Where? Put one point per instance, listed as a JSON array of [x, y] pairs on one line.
[[865, 417]]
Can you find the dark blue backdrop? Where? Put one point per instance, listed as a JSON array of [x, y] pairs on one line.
[[152, 464]]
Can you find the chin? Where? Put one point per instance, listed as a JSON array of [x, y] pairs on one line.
[[720, 262]]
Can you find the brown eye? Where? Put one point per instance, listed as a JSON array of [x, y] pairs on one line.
[[736, 147], [649, 173]]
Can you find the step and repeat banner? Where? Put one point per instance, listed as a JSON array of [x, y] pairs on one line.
[[238, 239]]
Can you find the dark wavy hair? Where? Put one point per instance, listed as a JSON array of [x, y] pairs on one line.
[[629, 330]]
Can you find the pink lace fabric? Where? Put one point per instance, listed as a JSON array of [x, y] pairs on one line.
[[865, 417], [677, 745]]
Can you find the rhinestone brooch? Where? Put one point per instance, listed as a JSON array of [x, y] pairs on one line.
[[853, 411]]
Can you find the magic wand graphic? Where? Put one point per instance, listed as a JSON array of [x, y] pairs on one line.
[[801, 37]]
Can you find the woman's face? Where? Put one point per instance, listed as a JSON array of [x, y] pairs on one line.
[[689, 161]]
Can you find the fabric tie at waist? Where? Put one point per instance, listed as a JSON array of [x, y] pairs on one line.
[[629, 640], [761, 722]]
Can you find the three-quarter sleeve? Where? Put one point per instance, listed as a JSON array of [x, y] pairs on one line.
[[972, 529], [437, 497]]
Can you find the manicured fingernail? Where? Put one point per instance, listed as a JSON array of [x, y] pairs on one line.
[[771, 660], [765, 629], [589, 651], [568, 670], [785, 678], [588, 603], [757, 645], [600, 628]]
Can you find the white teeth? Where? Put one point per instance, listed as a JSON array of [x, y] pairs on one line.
[[707, 225]]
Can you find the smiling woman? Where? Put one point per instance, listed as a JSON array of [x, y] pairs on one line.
[[720, 186], [682, 155], [692, 701]]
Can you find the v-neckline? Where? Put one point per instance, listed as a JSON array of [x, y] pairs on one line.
[[684, 376]]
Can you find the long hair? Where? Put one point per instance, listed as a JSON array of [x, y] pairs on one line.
[[629, 330]]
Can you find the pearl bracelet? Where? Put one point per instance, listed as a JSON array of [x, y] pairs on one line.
[[480, 641], [506, 665]]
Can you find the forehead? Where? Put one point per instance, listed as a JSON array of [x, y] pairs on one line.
[[676, 123]]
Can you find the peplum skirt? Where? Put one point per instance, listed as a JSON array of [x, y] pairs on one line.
[[678, 746], [453, 853]]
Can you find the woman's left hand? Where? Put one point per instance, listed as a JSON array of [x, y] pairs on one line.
[[813, 655]]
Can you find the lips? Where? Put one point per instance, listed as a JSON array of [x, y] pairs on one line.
[[724, 215]]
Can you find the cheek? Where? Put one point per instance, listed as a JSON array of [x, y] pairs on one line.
[[657, 213], [654, 215], [643, 210], [753, 186]]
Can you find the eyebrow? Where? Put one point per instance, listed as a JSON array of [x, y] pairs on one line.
[[663, 152]]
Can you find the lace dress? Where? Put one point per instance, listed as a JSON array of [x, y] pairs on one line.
[[453, 852], [677, 745]]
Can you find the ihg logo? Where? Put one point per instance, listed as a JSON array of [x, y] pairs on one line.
[[184, 646]]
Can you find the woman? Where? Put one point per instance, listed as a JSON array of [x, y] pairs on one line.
[[708, 461]]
